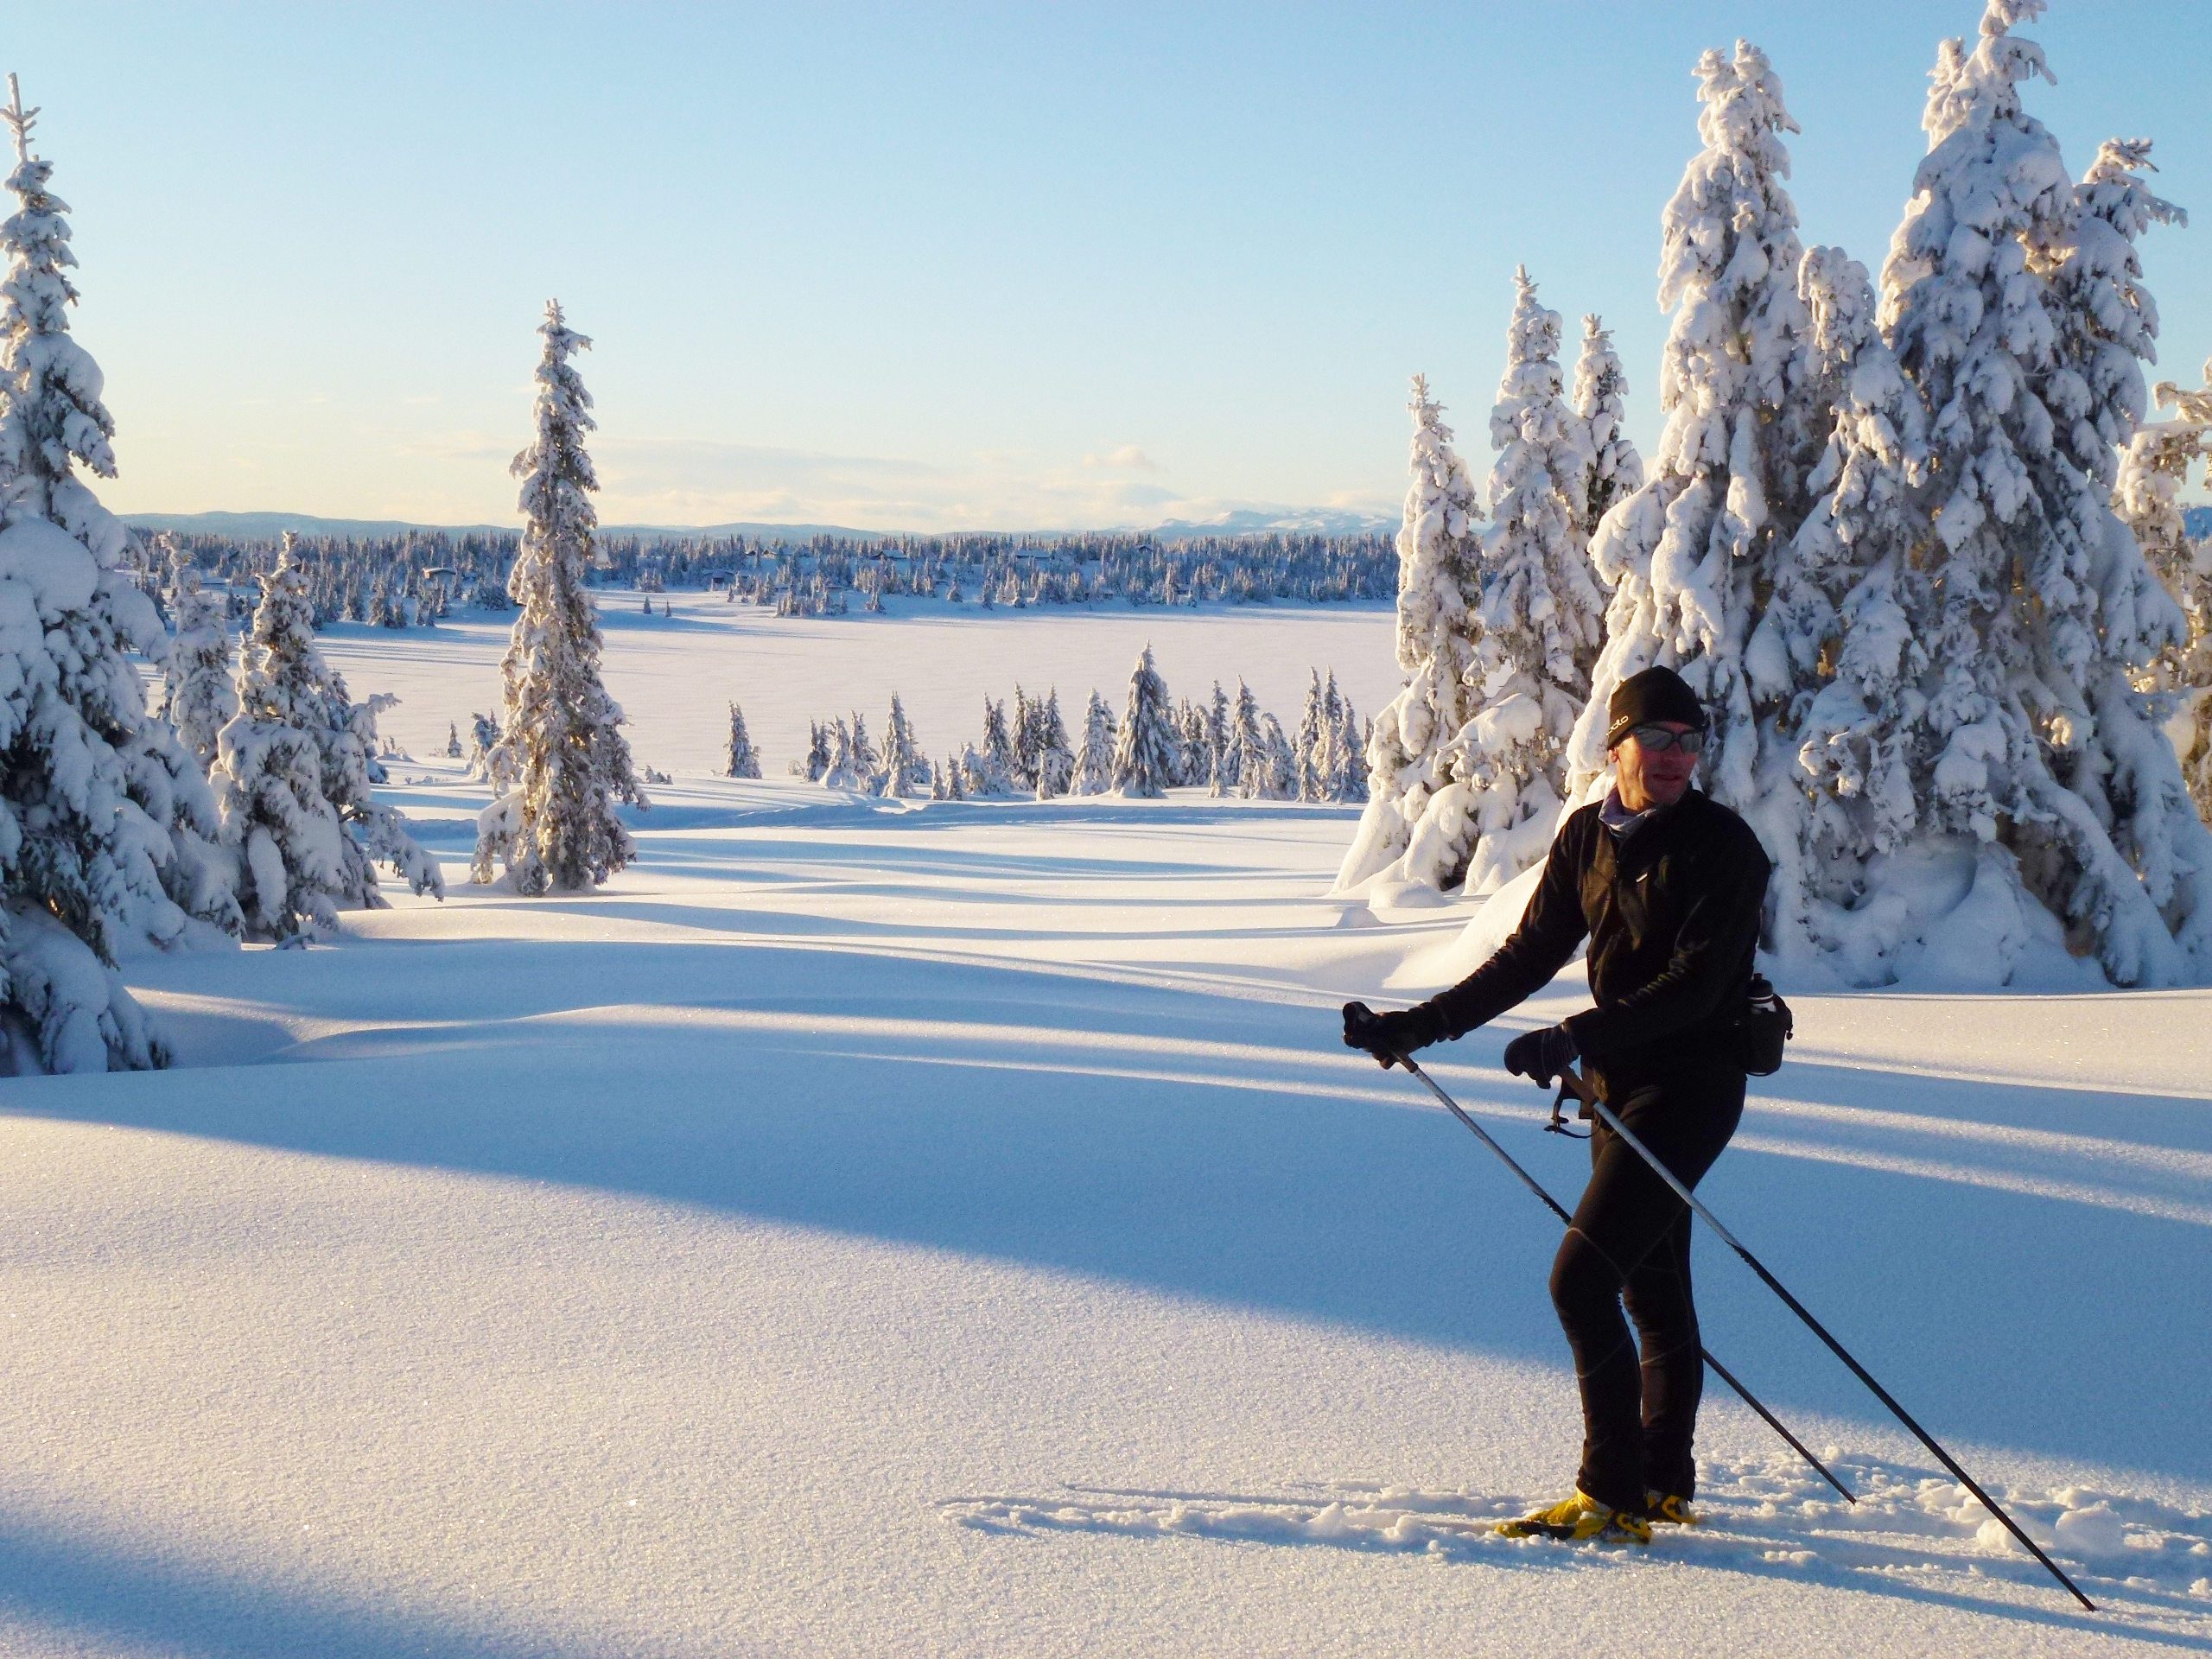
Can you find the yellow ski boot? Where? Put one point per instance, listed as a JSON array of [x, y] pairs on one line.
[[1667, 1509], [1577, 1518]]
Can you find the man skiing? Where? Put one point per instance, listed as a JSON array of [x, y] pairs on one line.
[[1668, 886]]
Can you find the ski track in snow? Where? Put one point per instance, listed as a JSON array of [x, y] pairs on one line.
[[739, 1259], [2147, 1565]]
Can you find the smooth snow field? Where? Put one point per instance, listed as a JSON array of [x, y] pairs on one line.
[[865, 1227], [677, 675]]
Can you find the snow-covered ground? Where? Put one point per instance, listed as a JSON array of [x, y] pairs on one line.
[[868, 1228]]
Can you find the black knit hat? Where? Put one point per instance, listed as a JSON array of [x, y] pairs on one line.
[[1644, 699]]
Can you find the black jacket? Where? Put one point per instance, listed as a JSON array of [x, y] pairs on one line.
[[1672, 918]]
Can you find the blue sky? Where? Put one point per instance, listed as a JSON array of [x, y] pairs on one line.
[[930, 266]]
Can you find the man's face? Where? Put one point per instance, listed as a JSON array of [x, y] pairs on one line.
[[1652, 776]]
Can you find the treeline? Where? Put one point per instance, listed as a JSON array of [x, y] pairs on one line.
[[1228, 746], [413, 580]]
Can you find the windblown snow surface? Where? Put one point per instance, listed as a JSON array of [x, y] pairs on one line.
[[878, 1228]]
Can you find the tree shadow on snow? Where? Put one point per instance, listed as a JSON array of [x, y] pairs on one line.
[[1221, 1148], [83, 1588]]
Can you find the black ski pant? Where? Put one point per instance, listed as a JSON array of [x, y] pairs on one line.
[[1630, 1242]]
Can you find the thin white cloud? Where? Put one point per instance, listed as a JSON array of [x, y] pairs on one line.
[[1127, 459]]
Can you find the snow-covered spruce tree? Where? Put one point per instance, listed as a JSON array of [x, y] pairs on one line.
[[841, 769], [1094, 756], [1540, 615], [1309, 749], [988, 770], [2042, 787], [976, 774], [816, 764], [906, 769], [1352, 751], [998, 747], [1692, 553], [1240, 717], [1217, 719], [453, 750], [1437, 592], [1193, 755], [1022, 740], [1280, 774], [1055, 759], [1145, 747], [197, 696], [297, 733], [865, 758], [1248, 762], [1837, 626], [488, 759], [740, 758], [106, 823], [2153, 470], [557, 824], [1601, 406]]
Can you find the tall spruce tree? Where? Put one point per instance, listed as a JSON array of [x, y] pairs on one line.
[[1692, 553], [2011, 297], [1616, 470], [2016, 750], [1540, 617], [1145, 747], [1839, 627], [106, 823], [1409, 757], [556, 825]]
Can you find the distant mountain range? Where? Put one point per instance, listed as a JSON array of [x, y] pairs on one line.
[[265, 526]]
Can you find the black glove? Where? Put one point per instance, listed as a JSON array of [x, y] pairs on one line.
[[1388, 1036], [1541, 1056]]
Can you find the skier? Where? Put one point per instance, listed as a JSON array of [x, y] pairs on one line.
[[1669, 885]]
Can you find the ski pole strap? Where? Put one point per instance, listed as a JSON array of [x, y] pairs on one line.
[[1558, 1124], [1613, 1122]]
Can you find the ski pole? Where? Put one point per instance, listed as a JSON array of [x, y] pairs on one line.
[[1552, 1204], [1613, 1122]]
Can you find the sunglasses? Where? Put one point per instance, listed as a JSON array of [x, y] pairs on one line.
[[1653, 739]]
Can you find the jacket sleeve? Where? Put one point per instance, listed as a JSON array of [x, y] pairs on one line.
[[1716, 937], [1550, 928]]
